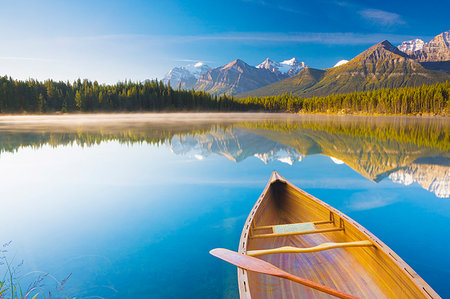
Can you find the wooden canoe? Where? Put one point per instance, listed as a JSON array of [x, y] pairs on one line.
[[285, 215]]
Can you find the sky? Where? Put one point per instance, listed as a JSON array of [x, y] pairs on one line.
[[111, 41]]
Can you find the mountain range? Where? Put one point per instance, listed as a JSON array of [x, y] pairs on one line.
[[412, 63], [382, 65], [234, 77], [433, 55]]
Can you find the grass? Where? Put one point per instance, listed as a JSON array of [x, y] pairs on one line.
[[12, 285]]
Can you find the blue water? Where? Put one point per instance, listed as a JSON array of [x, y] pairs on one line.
[[136, 220]]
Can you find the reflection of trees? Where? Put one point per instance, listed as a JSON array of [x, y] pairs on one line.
[[430, 132], [11, 141], [374, 147]]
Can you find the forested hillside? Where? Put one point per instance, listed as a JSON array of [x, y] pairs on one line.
[[380, 66], [408, 100]]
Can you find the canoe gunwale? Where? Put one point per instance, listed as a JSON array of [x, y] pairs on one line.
[[345, 221]]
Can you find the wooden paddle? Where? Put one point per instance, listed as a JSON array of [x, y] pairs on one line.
[[257, 265]]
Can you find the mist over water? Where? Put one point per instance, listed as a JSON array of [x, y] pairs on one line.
[[130, 204]]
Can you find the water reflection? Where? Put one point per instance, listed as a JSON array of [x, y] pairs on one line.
[[404, 150]]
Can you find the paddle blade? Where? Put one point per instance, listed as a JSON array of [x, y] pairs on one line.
[[247, 262], [256, 265]]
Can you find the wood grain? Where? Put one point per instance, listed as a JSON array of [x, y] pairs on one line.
[[321, 247], [257, 265], [366, 272]]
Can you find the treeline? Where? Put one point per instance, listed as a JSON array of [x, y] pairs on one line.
[[38, 97], [432, 99], [33, 96]]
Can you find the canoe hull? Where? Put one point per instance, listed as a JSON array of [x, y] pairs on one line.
[[367, 272]]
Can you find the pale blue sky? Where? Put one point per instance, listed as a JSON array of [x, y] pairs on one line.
[[110, 41]]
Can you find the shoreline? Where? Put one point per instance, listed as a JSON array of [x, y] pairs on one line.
[[183, 114]]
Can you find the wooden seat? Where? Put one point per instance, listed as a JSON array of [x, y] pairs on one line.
[[301, 228]]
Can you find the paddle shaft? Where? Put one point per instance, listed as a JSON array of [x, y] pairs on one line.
[[317, 286]]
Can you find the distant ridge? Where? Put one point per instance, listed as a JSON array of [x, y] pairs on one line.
[[433, 55], [236, 77], [382, 65]]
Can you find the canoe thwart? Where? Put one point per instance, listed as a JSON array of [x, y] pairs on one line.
[[321, 247], [314, 231]]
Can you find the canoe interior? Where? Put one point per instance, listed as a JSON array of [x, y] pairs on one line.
[[366, 272]]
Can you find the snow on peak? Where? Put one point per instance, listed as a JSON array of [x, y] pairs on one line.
[[190, 71], [411, 46], [292, 61], [288, 67], [336, 161], [269, 64], [197, 69], [340, 62]]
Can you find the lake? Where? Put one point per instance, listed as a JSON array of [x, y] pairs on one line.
[[129, 205]]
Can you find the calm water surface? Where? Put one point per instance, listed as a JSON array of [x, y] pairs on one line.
[[130, 205]]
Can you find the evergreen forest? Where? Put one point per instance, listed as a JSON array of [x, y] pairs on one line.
[[32, 96]]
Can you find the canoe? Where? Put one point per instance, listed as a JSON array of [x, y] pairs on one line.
[[304, 236]]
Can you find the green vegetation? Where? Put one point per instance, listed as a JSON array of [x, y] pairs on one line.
[[373, 146], [433, 99], [33, 96], [11, 284], [428, 132], [380, 66]]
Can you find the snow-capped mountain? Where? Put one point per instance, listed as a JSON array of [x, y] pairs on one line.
[[185, 77], [236, 77], [197, 69], [434, 55], [340, 62], [289, 67], [232, 78], [411, 46]]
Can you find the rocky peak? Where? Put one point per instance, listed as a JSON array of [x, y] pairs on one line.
[[269, 64], [292, 61], [386, 45], [411, 46], [288, 67], [236, 77], [381, 51], [436, 50], [185, 76], [236, 64]]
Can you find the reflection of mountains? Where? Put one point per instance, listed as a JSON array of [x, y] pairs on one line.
[[432, 173], [403, 163], [235, 145], [404, 149]]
